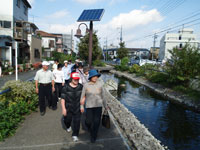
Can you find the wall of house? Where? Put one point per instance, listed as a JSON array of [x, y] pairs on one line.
[[19, 11], [172, 40], [6, 14], [46, 41], [35, 47]]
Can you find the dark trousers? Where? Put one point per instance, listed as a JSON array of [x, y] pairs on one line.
[[93, 119], [73, 120], [56, 94], [45, 91]]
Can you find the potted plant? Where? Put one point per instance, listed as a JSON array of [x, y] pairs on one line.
[[10, 70], [31, 65]]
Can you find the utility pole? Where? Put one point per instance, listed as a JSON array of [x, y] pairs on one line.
[[121, 35], [16, 63], [106, 49], [154, 44]]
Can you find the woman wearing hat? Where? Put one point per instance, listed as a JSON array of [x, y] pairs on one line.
[[93, 98]]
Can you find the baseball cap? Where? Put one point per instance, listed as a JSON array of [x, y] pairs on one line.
[[45, 63], [75, 76], [65, 61]]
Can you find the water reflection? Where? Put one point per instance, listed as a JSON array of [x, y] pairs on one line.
[[175, 126]]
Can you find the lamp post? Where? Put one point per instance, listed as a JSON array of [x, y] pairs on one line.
[[89, 15], [79, 35]]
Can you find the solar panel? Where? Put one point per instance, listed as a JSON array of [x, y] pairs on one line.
[[91, 15]]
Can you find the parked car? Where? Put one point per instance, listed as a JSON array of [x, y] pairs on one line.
[[134, 61]]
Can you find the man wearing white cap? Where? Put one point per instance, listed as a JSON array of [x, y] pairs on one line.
[[44, 78]]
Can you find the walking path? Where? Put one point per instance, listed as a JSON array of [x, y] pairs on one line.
[[47, 133]]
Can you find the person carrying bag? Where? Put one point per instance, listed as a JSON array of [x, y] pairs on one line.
[[106, 119]]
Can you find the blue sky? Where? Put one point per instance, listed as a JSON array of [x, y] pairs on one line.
[[138, 18]]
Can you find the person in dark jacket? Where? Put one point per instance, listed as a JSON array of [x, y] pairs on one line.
[[70, 102]]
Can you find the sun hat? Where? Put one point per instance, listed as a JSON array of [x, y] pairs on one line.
[[45, 63], [75, 76], [93, 73], [65, 61]]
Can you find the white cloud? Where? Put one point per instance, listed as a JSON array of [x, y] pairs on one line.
[[132, 23], [135, 18], [87, 1], [58, 14]]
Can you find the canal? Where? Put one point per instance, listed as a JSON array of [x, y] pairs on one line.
[[176, 127]]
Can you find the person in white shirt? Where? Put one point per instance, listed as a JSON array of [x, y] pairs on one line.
[[59, 83], [55, 65], [67, 71]]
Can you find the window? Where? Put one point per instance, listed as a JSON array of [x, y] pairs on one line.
[[181, 45], [7, 24], [18, 3], [25, 10], [1, 24], [179, 38], [37, 53]]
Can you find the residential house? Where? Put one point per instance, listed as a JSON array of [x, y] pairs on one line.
[[68, 43], [141, 53], [154, 52], [134, 53], [172, 40], [35, 44], [11, 13], [48, 43], [59, 42]]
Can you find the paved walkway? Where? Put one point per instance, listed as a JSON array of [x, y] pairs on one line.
[[47, 133], [21, 76]]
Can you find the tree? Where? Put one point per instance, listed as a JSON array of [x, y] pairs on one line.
[[183, 65], [83, 47], [122, 51]]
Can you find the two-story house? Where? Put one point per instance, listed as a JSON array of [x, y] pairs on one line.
[[11, 13], [48, 43]]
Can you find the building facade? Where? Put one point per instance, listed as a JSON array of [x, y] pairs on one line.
[[48, 43], [11, 12], [172, 40]]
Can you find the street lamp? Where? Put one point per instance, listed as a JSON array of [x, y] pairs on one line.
[[89, 15], [79, 35], [78, 31]]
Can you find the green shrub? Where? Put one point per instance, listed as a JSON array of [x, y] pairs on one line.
[[157, 77], [98, 63], [134, 68], [21, 100]]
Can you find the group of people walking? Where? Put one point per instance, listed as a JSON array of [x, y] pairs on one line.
[[79, 91]]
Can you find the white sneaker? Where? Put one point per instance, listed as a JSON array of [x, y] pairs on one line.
[[75, 138], [69, 129]]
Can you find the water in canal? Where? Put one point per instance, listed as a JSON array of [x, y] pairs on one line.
[[175, 126]]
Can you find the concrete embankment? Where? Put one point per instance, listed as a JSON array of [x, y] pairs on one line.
[[137, 134], [167, 93]]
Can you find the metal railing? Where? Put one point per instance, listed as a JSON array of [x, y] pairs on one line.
[[8, 90]]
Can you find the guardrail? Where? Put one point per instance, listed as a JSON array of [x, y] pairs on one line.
[[8, 90]]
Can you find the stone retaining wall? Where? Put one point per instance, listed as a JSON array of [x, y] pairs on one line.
[[138, 135], [165, 92]]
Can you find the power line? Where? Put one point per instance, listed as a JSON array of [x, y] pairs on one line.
[[167, 29], [173, 7]]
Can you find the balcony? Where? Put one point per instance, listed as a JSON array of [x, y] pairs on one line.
[[22, 29]]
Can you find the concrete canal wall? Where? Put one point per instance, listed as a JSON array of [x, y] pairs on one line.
[[165, 92], [137, 134]]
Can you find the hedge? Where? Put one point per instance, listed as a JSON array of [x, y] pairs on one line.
[[14, 105]]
